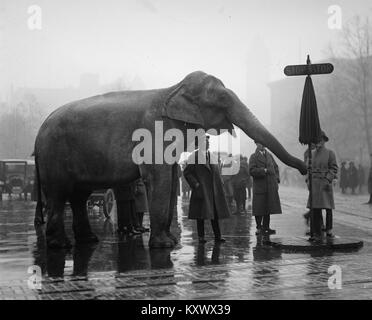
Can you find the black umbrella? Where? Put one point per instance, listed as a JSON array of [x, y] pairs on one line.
[[310, 131]]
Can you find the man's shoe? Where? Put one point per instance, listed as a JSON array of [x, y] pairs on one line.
[[269, 231], [202, 240], [220, 240], [315, 239], [330, 234]]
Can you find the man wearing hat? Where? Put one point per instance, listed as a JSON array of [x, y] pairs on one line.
[[266, 201], [207, 200], [324, 171]]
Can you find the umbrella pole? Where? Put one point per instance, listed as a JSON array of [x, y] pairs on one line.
[[311, 193]]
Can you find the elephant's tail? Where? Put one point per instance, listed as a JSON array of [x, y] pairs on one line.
[[39, 217]]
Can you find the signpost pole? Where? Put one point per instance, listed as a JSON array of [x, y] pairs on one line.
[[308, 62]]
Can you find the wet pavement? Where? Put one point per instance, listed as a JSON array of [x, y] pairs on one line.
[[241, 268]]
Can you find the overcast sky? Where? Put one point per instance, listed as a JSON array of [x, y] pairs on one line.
[[244, 43]]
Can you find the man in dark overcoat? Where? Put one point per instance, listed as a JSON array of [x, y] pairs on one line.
[[207, 200], [266, 201]]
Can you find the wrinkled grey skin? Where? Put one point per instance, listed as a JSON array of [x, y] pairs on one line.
[[87, 145]]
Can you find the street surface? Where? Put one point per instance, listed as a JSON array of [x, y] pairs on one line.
[[241, 268]]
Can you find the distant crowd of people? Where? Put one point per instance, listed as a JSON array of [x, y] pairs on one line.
[[351, 177]]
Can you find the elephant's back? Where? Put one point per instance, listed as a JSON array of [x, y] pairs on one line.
[[93, 113]]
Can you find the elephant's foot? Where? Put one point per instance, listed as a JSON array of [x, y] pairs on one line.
[[161, 241], [88, 238], [59, 243], [173, 237]]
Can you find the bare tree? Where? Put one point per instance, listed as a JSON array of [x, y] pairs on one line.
[[357, 42]]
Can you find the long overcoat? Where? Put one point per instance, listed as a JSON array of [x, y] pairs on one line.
[[266, 199], [209, 196], [324, 171], [370, 181]]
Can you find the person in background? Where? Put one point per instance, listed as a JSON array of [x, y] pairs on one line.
[[353, 177], [141, 204], [240, 181], [343, 177], [249, 179], [266, 201], [285, 180], [360, 177], [370, 182], [185, 186], [227, 180], [208, 200], [324, 171], [126, 209]]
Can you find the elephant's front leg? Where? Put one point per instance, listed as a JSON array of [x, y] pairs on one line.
[[80, 225], [159, 208]]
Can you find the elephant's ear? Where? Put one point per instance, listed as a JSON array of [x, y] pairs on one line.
[[179, 106]]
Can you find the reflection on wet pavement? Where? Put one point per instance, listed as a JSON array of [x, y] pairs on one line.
[[125, 268]]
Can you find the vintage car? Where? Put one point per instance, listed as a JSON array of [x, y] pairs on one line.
[[17, 177]]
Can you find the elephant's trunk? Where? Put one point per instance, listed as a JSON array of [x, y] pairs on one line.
[[242, 117]]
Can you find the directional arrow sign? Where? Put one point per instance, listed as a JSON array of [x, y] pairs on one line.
[[304, 69]]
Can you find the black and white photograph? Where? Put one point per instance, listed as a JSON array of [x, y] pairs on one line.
[[195, 151]]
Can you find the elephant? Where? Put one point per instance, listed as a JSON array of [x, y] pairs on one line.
[[87, 145]]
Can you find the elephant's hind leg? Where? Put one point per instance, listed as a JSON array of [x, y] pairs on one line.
[[80, 223], [159, 218], [55, 229]]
